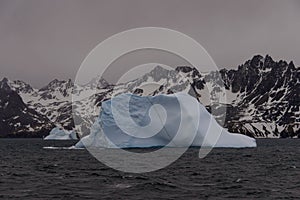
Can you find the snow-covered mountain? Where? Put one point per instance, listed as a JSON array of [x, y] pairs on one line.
[[265, 98], [16, 118], [262, 96]]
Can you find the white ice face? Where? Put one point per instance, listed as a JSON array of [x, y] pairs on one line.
[[181, 111], [61, 134]]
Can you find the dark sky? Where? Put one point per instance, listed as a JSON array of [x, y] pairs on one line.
[[45, 39]]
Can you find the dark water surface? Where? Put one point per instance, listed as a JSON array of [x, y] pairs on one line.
[[271, 171]]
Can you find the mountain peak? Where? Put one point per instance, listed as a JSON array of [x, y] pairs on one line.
[[158, 68], [98, 82], [269, 62], [157, 73], [291, 65], [268, 57], [58, 83], [255, 61], [21, 86], [184, 69], [4, 84], [4, 79]]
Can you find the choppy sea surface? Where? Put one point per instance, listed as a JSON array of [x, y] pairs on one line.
[[270, 171]]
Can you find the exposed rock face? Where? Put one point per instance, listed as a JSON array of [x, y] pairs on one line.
[[262, 97], [16, 118], [268, 97]]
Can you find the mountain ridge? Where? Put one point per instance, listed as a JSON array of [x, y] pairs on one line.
[[262, 95]]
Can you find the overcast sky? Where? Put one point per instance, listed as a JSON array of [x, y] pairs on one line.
[[45, 39]]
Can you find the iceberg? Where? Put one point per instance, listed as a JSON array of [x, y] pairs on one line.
[[174, 120], [61, 134]]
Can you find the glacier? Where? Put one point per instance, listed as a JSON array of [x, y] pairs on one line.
[[173, 120], [61, 134]]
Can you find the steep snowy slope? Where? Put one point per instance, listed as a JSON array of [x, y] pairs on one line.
[[267, 97], [16, 118]]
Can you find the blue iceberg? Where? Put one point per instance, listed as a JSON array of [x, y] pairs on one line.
[[61, 134], [175, 120]]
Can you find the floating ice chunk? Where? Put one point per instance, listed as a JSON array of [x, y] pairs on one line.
[[128, 121], [96, 138], [61, 134]]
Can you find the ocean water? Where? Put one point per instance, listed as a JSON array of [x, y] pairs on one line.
[[270, 171]]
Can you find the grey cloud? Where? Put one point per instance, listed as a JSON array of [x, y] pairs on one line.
[[45, 39]]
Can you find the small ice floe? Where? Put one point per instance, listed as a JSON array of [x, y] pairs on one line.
[[122, 186], [65, 148], [61, 134], [238, 180]]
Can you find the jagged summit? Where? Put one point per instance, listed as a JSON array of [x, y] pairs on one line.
[[266, 62], [97, 82], [4, 79], [4, 84], [58, 83], [17, 119]]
